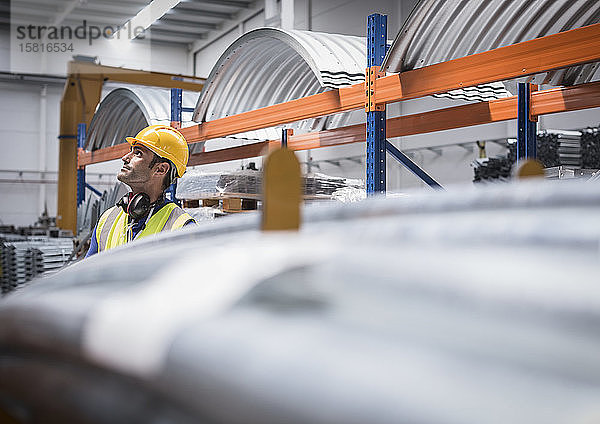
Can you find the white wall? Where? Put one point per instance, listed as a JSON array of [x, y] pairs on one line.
[[134, 54], [20, 114]]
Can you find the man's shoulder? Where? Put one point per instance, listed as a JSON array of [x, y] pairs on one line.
[[171, 205], [180, 215], [107, 212]]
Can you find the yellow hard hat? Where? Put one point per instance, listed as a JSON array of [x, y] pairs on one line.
[[166, 142]]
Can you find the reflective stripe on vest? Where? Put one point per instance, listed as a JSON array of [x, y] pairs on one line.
[[103, 230], [112, 226]]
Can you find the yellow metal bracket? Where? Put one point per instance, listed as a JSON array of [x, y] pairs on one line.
[[282, 191], [371, 75], [533, 89]]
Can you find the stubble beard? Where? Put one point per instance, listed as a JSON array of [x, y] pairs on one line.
[[133, 177]]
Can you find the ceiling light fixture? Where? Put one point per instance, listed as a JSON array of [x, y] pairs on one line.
[[145, 18]]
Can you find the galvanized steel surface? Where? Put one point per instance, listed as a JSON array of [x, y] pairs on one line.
[[125, 111], [23, 258], [270, 65], [442, 30], [483, 304]]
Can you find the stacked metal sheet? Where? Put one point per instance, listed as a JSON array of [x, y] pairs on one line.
[[590, 148], [569, 150], [248, 182], [49, 257], [557, 148], [564, 154], [321, 184], [16, 265], [442, 30], [563, 173], [24, 258], [196, 184]]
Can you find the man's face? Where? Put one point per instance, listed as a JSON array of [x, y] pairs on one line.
[[136, 166]]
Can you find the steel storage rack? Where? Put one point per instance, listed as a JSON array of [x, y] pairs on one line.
[[562, 50]]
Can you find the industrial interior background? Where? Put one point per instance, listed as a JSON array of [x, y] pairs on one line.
[[474, 303], [189, 40]]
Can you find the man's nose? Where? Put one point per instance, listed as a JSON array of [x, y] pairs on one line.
[[126, 157]]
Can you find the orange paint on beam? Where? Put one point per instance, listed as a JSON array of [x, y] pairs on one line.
[[583, 96], [574, 47], [102, 155], [230, 153], [569, 48], [326, 103], [543, 102], [454, 117]]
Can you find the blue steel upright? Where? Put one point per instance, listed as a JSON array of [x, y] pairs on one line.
[[176, 109], [527, 129], [80, 172], [376, 120], [176, 96]]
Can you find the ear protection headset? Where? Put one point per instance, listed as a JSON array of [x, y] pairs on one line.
[[137, 206]]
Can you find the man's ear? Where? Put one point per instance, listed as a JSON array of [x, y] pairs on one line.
[[162, 168]]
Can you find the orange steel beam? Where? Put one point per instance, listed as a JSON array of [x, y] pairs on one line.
[[327, 103], [230, 153], [556, 100], [574, 47], [560, 50], [102, 155], [565, 99], [543, 102]]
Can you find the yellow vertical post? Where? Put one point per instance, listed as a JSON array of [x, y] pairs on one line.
[[70, 115], [282, 191], [529, 168], [80, 98]]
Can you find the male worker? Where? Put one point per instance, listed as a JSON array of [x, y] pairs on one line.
[[158, 155]]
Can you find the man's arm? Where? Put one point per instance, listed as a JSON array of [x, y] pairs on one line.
[[191, 221]]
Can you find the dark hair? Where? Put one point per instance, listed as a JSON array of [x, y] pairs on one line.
[[169, 176]]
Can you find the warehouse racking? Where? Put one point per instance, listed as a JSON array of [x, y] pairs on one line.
[[565, 49]]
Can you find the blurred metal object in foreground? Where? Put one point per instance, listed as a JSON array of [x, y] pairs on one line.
[[478, 305]]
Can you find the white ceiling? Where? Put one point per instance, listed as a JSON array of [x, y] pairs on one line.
[[188, 21]]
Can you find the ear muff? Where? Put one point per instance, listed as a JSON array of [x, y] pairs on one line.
[[136, 206], [139, 206], [124, 201]]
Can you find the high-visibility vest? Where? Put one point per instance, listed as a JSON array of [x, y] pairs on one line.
[[111, 230]]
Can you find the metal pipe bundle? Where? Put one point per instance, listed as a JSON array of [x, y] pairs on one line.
[[29, 257]]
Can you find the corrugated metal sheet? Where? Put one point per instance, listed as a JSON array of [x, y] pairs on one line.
[[270, 65], [125, 111], [442, 30]]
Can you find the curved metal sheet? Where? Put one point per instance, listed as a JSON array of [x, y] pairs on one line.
[[270, 65], [442, 30], [125, 111]]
